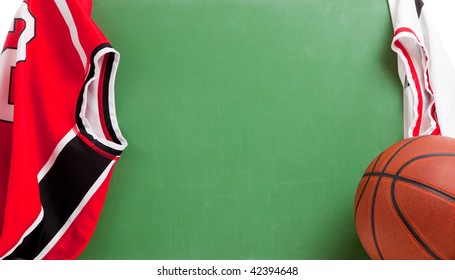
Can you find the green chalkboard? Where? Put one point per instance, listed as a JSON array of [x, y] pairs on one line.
[[250, 123]]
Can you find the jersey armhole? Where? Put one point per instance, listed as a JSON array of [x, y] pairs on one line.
[[96, 112]]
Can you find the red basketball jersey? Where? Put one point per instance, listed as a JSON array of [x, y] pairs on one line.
[[59, 136]]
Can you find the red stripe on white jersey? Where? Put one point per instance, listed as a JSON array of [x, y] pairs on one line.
[[415, 78]]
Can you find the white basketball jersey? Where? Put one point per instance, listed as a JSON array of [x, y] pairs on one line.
[[424, 68]]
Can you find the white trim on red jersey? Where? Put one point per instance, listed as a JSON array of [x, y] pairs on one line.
[[66, 13]]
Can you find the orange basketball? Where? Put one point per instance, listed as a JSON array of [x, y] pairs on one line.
[[405, 202]]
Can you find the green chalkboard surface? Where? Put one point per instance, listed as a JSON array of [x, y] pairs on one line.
[[250, 123]]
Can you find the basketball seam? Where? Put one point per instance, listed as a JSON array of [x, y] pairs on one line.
[[413, 182], [408, 225], [364, 187], [373, 203], [397, 207], [422, 157]]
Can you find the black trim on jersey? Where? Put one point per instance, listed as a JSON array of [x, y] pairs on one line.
[[61, 191], [5, 121], [406, 82], [419, 5], [80, 100], [11, 83], [106, 84]]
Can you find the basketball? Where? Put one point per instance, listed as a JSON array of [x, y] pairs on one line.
[[405, 202]]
